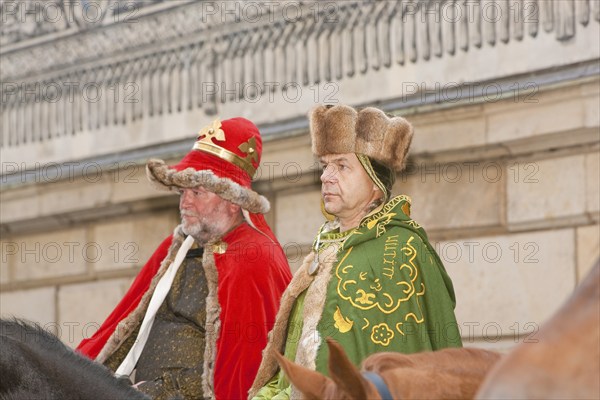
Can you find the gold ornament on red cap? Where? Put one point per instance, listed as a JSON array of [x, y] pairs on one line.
[[249, 148], [212, 131], [205, 144]]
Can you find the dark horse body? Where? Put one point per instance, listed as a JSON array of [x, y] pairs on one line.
[[35, 364]]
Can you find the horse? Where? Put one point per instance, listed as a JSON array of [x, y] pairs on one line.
[[452, 373], [35, 364], [564, 361]]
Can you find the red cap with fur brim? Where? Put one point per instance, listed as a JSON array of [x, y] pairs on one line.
[[215, 173]]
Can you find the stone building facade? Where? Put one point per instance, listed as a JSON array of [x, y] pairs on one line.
[[504, 169]]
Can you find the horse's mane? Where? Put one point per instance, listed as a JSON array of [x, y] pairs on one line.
[[36, 341], [29, 332], [39, 362]]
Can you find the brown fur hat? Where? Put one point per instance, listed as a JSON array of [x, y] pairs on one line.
[[369, 131]]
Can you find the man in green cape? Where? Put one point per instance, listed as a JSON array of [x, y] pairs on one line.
[[373, 282]]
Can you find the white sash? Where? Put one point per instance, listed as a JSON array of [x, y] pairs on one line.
[[160, 292]]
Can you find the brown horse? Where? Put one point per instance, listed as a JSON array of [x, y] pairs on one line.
[[565, 361], [36, 365], [444, 374]]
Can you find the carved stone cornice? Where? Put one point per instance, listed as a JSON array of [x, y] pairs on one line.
[[27, 22], [169, 54], [420, 27], [71, 44]]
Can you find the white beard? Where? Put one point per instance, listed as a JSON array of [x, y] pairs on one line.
[[204, 231]]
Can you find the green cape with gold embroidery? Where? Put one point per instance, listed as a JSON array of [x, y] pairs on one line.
[[389, 290]]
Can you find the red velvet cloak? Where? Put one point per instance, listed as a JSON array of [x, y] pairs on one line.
[[252, 275]]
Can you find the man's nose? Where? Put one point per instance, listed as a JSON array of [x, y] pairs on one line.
[[185, 197], [328, 175]]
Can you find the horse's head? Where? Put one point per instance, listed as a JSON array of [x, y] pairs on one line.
[[453, 373], [346, 381]]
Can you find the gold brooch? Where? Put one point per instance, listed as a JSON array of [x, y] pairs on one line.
[[219, 248]]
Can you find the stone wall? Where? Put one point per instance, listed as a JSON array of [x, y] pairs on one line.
[[503, 172], [516, 230]]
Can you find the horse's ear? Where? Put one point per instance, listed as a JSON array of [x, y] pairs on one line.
[[311, 383], [344, 373]]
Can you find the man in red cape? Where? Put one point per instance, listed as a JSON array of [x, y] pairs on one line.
[[195, 320]]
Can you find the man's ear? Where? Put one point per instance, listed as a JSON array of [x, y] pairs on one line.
[[344, 373], [377, 194], [234, 208], [311, 383]]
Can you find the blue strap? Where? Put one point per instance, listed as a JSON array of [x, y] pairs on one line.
[[379, 383]]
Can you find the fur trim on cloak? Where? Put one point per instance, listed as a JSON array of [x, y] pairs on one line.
[[213, 322], [311, 315], [213, 310]]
